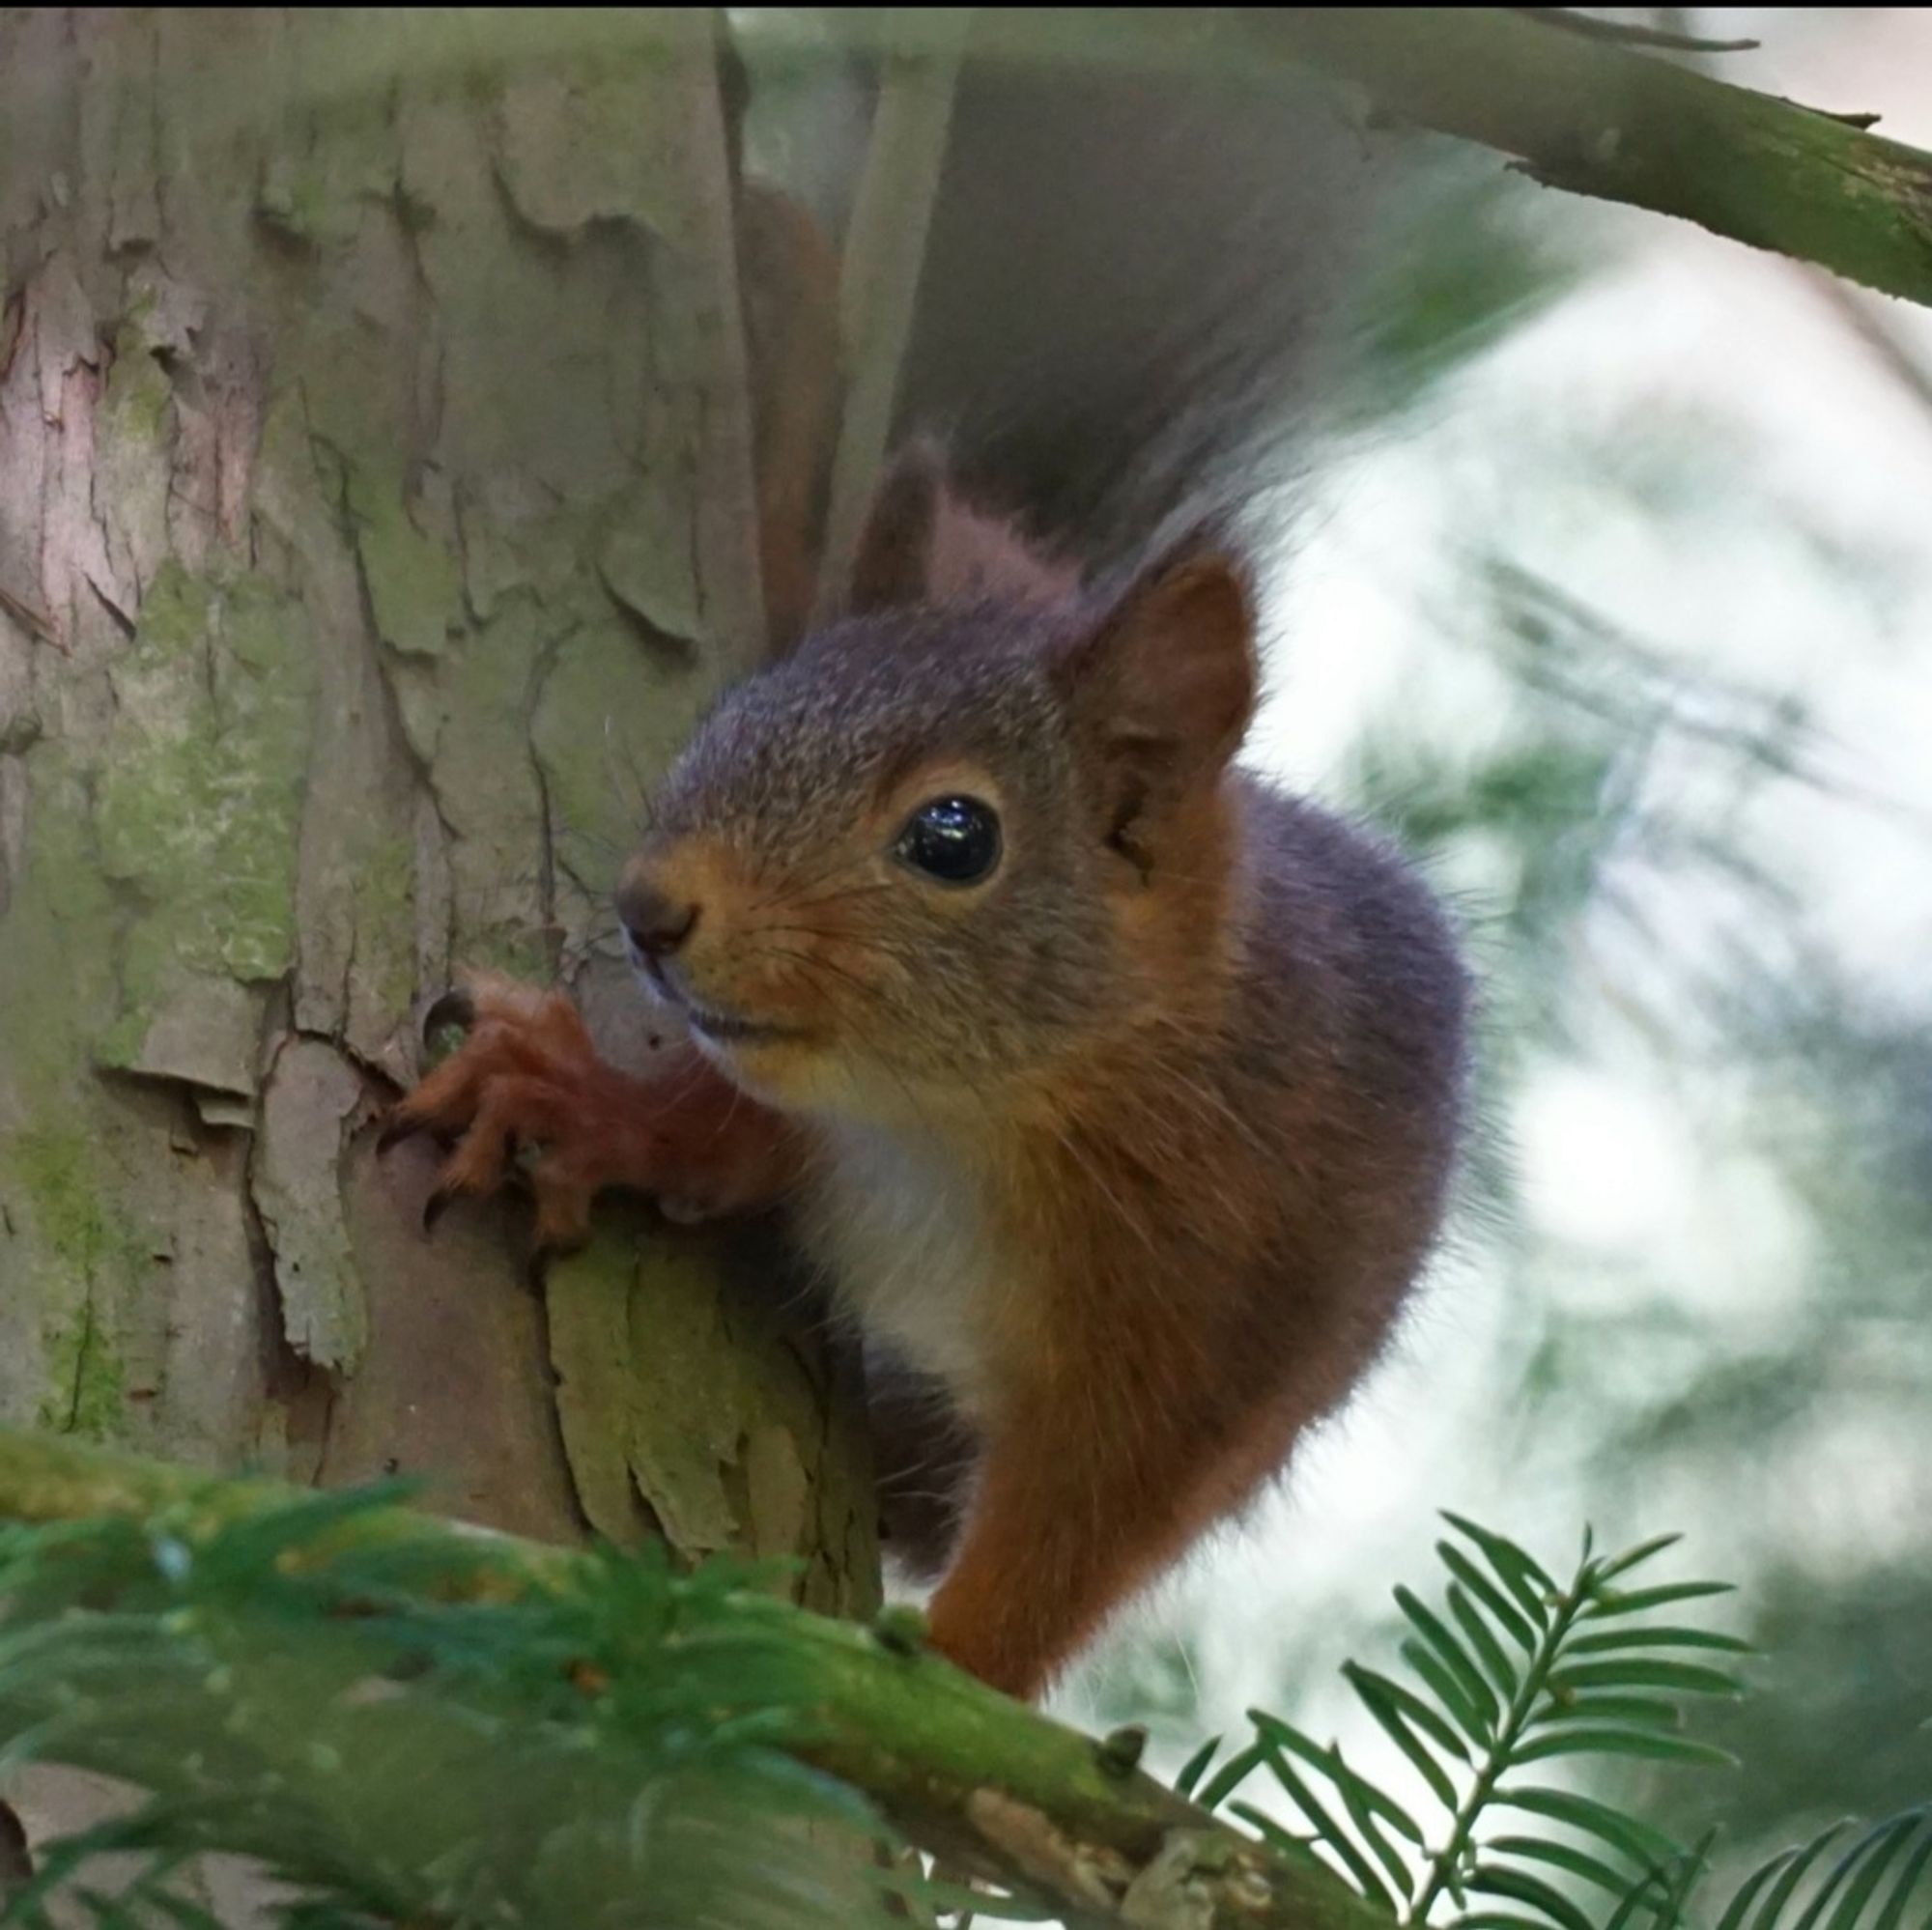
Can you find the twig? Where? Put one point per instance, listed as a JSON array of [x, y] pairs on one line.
[[1859, 118], [725, 488], [884, 250], [1629, 34]]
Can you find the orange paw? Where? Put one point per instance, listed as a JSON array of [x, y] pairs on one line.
[[527, 1075]]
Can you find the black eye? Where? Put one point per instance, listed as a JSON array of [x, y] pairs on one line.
[[953, 839]]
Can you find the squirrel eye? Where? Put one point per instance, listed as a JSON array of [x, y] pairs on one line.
[[955, 840]]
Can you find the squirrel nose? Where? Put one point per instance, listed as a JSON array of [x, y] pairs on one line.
[[655, 923]]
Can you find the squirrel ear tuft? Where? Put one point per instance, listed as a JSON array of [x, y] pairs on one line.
[[1166, 681], [923, 545]]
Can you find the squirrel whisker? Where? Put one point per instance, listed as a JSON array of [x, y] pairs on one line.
[[788, 888]]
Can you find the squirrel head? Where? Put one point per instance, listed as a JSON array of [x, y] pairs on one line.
[[958, 833]]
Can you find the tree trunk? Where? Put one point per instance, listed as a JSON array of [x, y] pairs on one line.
[[377, 514]]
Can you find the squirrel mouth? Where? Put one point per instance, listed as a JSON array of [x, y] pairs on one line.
[[726, 1029], [720, 1028]]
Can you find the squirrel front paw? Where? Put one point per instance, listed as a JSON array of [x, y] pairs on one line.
[[526, 1075]]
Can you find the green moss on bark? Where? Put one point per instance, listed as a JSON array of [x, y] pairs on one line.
[[57, 964], [93, 1254], [199, 800], [85, 1380]]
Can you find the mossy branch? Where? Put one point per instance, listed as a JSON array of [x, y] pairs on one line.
[[994, 1788], [1599, 119]]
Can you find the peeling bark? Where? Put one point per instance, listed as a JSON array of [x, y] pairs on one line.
[[376, 517]]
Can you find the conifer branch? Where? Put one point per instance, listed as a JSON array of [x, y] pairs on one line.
[[996, 1790]]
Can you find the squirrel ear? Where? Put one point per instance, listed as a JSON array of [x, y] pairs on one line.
[[891, 567], [923, 545], [1163, 687]]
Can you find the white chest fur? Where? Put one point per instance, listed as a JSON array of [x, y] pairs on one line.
[[898, 1225]]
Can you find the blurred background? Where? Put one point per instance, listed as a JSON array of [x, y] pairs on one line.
[[1618, 608]]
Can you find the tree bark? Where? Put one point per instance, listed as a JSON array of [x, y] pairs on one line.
[[376, 515]]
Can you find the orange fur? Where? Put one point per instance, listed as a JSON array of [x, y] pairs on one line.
[[1106, 1454]]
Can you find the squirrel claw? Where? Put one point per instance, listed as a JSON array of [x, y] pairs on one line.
[[457, 1007], [397, 1128], [434, 1207]]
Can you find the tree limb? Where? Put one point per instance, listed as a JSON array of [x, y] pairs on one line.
[[1576, 110], [1601, 120], [994, 1788]]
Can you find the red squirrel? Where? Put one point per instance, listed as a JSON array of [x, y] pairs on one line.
[[1114, 1093]]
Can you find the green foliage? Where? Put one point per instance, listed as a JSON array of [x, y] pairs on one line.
[[332, 1707], [399, 1736], [1511, 1677]]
